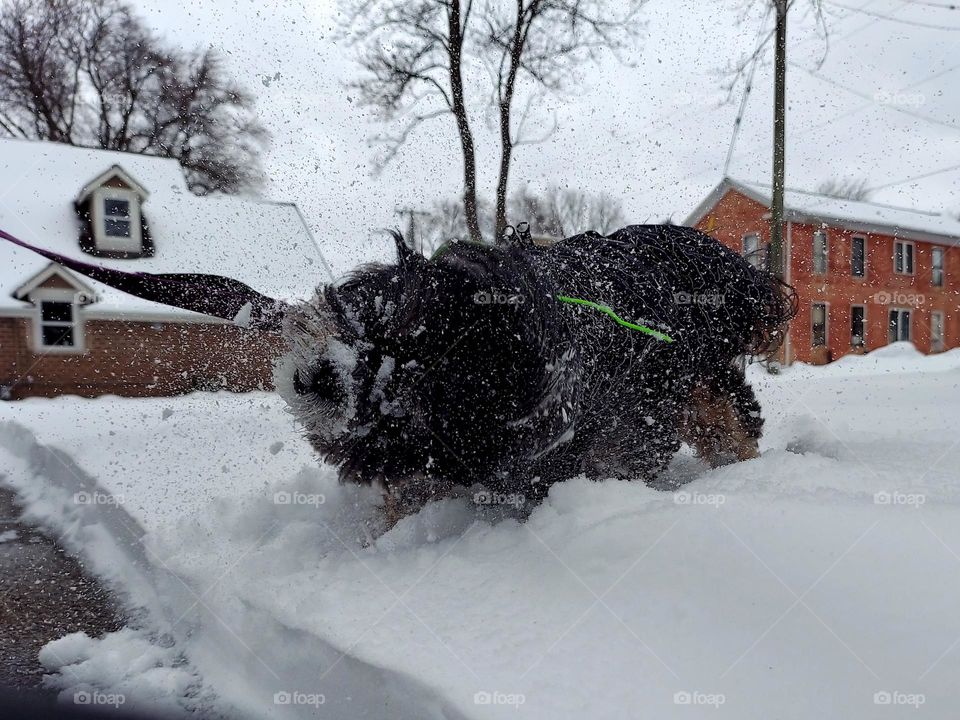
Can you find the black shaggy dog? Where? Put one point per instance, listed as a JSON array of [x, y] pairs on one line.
[[513, 366], [469, 368]]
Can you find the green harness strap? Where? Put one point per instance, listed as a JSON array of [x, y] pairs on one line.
[[575, 301], [606, 310]]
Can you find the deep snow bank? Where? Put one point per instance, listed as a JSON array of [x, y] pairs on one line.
[[819, 580]]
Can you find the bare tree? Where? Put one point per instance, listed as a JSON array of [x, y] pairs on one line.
[[412, 51], [415, 53], [846, 188], [562, 212], [556, 213], [540, 40], [446, 220], [87, 72]]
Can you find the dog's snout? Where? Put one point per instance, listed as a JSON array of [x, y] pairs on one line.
[[299, 386], [321, 381]]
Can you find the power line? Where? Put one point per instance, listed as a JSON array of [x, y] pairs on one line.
[[738, 121], [923, 176], [891, 18], [871, 102], [869, 23], [865, 96], [854, 111], [928, 3]]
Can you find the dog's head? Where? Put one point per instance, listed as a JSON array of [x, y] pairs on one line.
[[417, 371]]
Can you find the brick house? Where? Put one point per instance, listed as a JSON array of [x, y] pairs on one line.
[[866, 274], [62, 333]]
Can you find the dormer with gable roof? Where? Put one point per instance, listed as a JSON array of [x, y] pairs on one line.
[[57, 297], [62, 333], [110, 208]]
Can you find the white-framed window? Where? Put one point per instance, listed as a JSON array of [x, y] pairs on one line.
[[57, 323], [903, 257], [936, 267], [820, 252], [751, 249], [115, 213], [819, 317], [898, 325], [858, 256], [937, 343], [858, 326]]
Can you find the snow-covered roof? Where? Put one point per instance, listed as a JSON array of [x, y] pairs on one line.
[[858, 215], [264, 244]]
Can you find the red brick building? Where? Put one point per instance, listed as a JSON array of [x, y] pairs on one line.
[[866, 274], [62, 333]]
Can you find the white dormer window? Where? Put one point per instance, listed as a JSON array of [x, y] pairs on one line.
[[112, 201], [58, 299], [115, 213]]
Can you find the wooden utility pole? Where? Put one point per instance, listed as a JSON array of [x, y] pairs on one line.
[[775, 252]]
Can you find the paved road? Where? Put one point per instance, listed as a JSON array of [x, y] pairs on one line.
[[44, 594]]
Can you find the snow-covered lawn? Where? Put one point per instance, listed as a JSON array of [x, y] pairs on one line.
[[821, 580]]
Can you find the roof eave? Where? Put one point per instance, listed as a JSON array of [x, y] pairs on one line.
[[715, 195], [707, 204], [794, 215], [870, 228], [37, 279], [112, 171]]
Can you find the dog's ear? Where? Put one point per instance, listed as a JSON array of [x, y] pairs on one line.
[[406, 255]]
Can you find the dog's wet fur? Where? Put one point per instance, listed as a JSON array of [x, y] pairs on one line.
[[466, 369]]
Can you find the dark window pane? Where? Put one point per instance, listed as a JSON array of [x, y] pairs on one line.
[[936, 274], [856, 327], [117, 228], [57, 335], [819, 252], [898, 258], [819, 324], [116, 207], [936, 331], [899, 325], [908, 259], [56, 311], [751, 249], [857, 257]]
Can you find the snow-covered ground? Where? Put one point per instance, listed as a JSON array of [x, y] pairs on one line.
[[820, 580]]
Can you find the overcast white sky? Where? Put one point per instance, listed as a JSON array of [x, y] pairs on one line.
[[654, 134]]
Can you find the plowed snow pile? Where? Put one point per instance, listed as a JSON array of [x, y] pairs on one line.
[[821, 580]]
